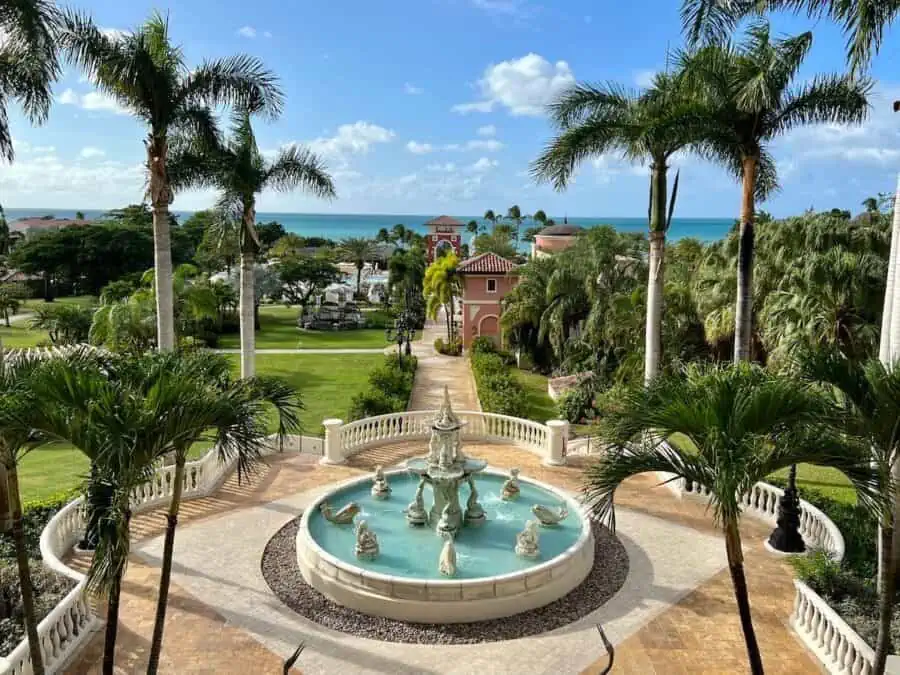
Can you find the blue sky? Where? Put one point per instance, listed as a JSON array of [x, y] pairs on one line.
[[433, 106]]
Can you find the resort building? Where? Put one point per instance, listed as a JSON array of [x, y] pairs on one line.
[[554, 238], [486, 280], [31, 226], [444, 232]]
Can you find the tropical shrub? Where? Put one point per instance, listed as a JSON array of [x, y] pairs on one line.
[[451, 348], [390, 386], [67, 324], [498, 389]]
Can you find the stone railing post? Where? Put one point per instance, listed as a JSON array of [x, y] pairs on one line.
[[557, 438], [333, 453]]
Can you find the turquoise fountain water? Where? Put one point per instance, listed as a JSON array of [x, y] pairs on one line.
[[483, 551]]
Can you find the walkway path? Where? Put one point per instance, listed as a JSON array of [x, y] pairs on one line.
[[436, 370]]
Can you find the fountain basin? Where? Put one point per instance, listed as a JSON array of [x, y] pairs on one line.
[[404, 582]]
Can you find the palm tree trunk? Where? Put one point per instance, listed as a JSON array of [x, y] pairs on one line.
[[112, 614], [886, 587], [160, 197], [247, 304], [743, 315], [359, 269], [889, 351], [653, 337], [18, 533], [166, 574], [739, 581]]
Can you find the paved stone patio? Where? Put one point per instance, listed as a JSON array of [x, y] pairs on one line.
[[669, 619]]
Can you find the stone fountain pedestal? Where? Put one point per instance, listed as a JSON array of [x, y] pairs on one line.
[[445, 469]]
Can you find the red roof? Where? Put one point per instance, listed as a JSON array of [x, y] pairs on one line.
[[444, 220], [486, 263]]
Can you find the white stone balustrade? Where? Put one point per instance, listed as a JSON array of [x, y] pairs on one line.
[[558, 438], [840, 649]]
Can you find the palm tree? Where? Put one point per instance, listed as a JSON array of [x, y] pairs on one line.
[[357, 250], [147, 75], [472, 227], [491, 217], [652, 126], [751, 100], [441, 287], [870, 204], [514, 214], [30, 64], [869, 396], [400, 233], [743, 424], [204, 402], [863, 22], [238, 169]]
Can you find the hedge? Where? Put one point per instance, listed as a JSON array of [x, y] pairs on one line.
[[390, 386], [498, 389]]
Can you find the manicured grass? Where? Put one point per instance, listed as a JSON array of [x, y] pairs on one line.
[[326, 384], [83, 300], [20, 334], [278, 330], [540, 407]]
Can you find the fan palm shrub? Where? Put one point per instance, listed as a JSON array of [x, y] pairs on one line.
[[356, 250], [145, 73], [744, 424]]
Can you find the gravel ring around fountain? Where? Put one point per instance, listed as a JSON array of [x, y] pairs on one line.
[[280, 570]]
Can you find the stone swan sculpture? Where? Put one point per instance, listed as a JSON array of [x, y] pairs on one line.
[[447, 564], [548, 516], [380, 487], [366, 542], [343, 516], [510, 490]]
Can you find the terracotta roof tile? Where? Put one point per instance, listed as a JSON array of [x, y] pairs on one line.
[[444, 220], [486, 263]]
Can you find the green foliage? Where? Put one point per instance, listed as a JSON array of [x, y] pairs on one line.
[[36, 514], [305, 276], [451, 348], [498, 389], [49, 589], [483, 345], [499, 242], [10, 301], [65, 323], [390, 386]]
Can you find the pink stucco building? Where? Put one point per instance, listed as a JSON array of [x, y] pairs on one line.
[[486, 280], [554, 239]]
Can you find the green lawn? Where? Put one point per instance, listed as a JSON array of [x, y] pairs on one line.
[[278, 330], [326, 383], [20, 334], [83, 300], [540, 407]]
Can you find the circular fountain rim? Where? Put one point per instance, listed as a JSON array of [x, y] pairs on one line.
[[339, 563]]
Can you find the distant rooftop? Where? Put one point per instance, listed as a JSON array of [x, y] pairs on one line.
[[563, 230], [486, 263], [45, 223], [444, 220]]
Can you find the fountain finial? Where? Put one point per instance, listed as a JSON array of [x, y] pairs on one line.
[[446, 418]]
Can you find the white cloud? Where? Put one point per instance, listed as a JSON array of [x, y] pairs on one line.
[[409, 178], [644, 78], [114, 33], [419, 148], [524, 86], [351, 139], [448, 167], [49, 180], [606, 168], [267, 34], [412, 89], [43, 149], [247, 32], [90, 152], [487, 130], [490, 145], [93, 100], [68, 97], [484, 164]]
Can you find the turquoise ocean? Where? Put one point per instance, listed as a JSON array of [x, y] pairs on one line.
[[338, 226]]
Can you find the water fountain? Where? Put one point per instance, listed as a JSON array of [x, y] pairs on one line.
[[439, 562]]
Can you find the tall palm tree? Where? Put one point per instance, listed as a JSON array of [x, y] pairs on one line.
[[864, 22], [751, 98], [491, 217], [647, 127], [28, 63], [204, 402], [869, 396], [147, 75], [870, 204], [357, 250], [743, 424], [238, 169], [514, 215]]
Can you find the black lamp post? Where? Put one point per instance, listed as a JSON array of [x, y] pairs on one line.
[[786, 536], [402, 331]]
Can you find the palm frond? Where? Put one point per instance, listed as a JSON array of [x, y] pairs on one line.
[[300, 167], [241, 81]]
